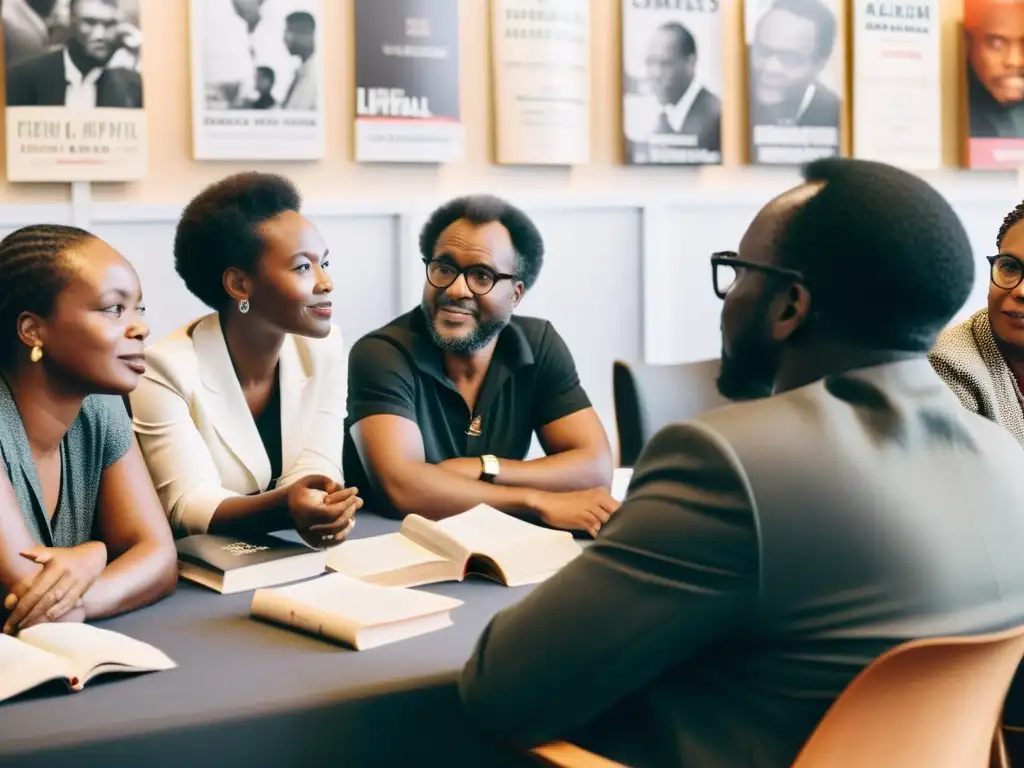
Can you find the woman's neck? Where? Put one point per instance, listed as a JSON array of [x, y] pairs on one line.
[[254, 347], [47, 410]]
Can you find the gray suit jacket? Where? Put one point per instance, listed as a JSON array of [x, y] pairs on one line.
[[968, 360], [766, 553]]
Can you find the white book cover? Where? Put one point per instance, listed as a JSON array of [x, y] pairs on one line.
[[897, 89], [541, 52], [257, 80], [672, 82]]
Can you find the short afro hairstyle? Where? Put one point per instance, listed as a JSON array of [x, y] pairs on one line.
[[218, 230], [484, 209], [886, 259], [1008, 222]]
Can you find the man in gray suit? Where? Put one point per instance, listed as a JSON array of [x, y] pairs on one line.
[[768, 551]]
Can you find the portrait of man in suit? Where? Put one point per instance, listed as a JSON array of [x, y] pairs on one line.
[[687, 107], [792, 44], [679, 112], [98, 66], [994, 36]]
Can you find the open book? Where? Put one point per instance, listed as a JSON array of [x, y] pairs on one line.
[[482, 541], [74, 653], [352, 612]]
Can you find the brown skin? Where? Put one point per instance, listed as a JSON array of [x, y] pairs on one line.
[[761, 315], [90, 340], [668, 72], [1009, 331], [995, 50], [565, 489], [783, 58], [288, 283]]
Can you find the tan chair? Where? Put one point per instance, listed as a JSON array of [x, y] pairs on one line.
[[934, 702]]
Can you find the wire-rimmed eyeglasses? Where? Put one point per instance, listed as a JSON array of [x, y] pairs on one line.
[[725, 266], [480, 280], [1007, 271]]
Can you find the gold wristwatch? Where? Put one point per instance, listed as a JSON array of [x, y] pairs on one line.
[[489, 468]]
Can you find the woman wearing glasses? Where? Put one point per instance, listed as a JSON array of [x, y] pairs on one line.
[[982, 359], [240, 415]]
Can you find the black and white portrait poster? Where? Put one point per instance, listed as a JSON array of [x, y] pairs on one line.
[[407, 81], [672, 82], [796, 61], [73, 70], [256, 79], [541, 52], [897, 83]]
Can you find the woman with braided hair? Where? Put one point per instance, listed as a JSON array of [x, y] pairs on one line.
[[982, 358], [82, 533]]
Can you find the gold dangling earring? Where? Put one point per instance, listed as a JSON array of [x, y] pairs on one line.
[[36, 354]]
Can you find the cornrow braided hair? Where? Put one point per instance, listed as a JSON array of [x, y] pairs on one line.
[[1011, 218], [33, 272]]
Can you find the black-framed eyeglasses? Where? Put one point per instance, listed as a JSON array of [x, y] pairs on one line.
[[1007, 271], [480, 280], [725, 268]]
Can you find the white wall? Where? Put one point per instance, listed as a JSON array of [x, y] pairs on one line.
[[626, 277]]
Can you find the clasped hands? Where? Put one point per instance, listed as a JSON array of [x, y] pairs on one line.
[[54, 593], [322, 511]]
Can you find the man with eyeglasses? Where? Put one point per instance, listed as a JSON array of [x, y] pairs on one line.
[[443, 402], [768, 551]]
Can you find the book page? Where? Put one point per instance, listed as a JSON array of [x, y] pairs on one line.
[[89, 647], [23, 667], [486, 531], [362, 604], [362, 558], [620, 482]]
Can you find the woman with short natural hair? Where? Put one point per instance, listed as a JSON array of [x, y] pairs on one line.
[[241, 413]]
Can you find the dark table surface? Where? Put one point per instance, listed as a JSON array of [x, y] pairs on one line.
[[250, 693]]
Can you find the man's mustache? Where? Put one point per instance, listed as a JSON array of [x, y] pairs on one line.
[[465, 306]]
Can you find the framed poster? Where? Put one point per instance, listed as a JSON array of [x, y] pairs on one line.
[[256, 79], [993, 39], [541, 51], [407, 81], [672, 82], [74, 91], [795, 80], [897, 88]]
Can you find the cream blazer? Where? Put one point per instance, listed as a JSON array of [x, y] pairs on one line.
[[198, 436]]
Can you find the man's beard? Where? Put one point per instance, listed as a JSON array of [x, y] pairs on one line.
[[749, 372], [469, 343]]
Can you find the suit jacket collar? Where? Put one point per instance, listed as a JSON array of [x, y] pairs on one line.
[[231, 416], [678, 112]]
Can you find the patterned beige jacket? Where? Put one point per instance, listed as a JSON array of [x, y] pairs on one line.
[[967, 359]]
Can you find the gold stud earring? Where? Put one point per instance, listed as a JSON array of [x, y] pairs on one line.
[[36, 354]]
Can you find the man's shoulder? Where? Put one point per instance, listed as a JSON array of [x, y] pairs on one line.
[[536, 330], [387, 344], [36, 64], [708, 103]]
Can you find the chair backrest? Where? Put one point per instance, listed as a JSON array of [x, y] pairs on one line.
[[934, 702], [648, 397]]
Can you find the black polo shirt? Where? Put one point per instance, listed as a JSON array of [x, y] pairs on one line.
[[398, 370]]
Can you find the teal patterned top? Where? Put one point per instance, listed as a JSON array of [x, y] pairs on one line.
[[100, 435]]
